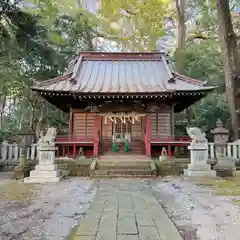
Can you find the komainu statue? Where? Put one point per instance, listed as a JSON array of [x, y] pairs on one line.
[[196, 134], [49, 137]]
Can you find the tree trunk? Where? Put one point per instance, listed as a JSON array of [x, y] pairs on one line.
[[181, 40], [181, 28], [231, 59], [2, 107]]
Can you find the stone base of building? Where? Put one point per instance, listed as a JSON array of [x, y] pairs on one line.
[[223, 171], [201, 171], [46, 173]]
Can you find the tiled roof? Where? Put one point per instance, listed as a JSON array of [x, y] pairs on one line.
[[120, 73]]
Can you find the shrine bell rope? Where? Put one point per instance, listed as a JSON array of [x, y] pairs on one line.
[[132, 117]]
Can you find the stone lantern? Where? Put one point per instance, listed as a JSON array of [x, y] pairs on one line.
[[225, 165], [220, 138]]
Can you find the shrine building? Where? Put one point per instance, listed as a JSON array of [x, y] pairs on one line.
[[120, 102]]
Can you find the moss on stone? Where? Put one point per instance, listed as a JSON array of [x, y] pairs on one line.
[[21, 171], [79, 168], [165, 168], [15, 190]]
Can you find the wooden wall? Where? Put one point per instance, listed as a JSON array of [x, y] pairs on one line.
[[137, 129], [162, 123], [106, 131], [83, 124]]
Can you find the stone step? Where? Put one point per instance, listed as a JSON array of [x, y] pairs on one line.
[[129, 172], [123, 176], [123, 167], [125, 156], [123, 172], [127, 163]]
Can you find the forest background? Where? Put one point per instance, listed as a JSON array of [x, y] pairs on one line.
[[39, 37]]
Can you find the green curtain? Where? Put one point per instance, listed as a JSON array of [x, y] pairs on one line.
[[126, 146], [114, 147]]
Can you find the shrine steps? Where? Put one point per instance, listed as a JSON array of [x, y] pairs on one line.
[[129, 166]]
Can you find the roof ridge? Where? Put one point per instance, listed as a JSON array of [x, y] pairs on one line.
[[187, 79], [53, 80]]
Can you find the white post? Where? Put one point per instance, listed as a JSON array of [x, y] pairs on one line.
[[15, 152], [229, 152], [238, 149], [4, 150], [10, 152], [33, 151], [212, 153], [28, 153], [235, 155]]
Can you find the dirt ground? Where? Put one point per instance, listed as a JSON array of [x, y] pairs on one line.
[[197, 209], [50, 211]]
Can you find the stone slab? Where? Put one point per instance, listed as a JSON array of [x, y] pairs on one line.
[[144, 219], [164, 225], [106, 235], [108, 221], [127, 237], [196, 173], [53, 174], [149, 233], [127, 226], [83, 238], [46, 167], [42, 179], [88, 227], [139, 216], [125, 213]]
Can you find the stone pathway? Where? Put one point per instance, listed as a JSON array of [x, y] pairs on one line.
[[126, 210]]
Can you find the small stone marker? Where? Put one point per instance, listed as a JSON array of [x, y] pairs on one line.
[[164, 155], [199, 155], [225, 165], [46, 170]]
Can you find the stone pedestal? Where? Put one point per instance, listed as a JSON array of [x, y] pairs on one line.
[[226, 166], [46, 171], [198, 166]]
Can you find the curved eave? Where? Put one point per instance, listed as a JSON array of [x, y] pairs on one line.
[[180, 99], [168, 92], [182, 102]]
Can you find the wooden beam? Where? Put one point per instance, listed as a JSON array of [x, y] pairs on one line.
[[148, 136], [70, 124]]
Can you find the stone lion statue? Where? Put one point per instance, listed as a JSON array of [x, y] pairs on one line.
[[196, 134], [49, 137]]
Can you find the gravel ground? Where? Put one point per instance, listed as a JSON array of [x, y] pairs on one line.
[[197, 211], [55, 210]]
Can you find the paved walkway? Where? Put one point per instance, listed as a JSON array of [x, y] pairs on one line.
[[126, 210]]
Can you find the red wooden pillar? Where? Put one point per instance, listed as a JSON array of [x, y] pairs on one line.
[[97, 124], [74, 150], [169, 151], [148, 136]]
